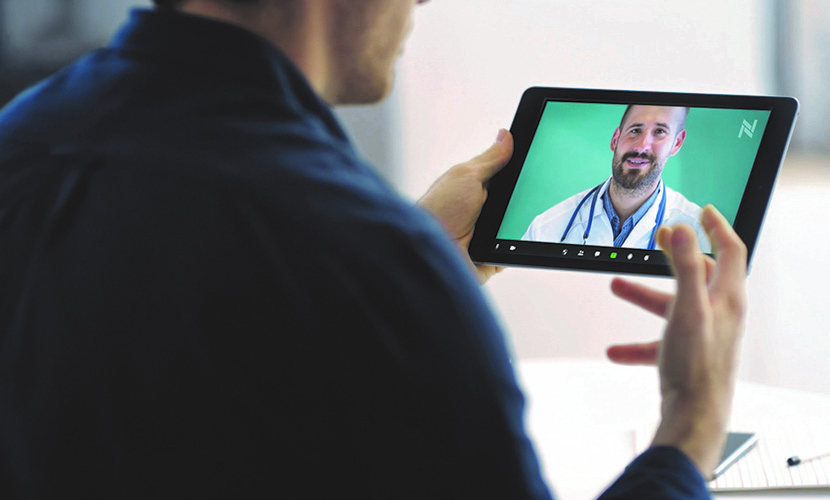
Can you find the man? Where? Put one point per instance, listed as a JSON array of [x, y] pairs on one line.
[[627, 209], [207, 294]]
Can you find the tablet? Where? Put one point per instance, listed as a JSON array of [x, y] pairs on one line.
[[595, 172]]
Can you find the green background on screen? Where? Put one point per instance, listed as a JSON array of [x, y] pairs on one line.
[[571, 152]]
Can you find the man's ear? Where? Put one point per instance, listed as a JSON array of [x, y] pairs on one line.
[[678, 142], [616, 137]]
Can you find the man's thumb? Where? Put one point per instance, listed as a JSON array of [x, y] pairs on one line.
[[496, 156]]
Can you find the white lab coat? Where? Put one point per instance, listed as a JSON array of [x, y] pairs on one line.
[[550, 224]]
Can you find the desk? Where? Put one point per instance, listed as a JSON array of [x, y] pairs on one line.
[[582, 415]]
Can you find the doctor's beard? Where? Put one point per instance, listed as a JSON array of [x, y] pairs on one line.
[[636, 182]]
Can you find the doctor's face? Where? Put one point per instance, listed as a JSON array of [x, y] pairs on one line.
[[643, 143]]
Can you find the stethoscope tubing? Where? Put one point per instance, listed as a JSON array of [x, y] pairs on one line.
[[594, 194]]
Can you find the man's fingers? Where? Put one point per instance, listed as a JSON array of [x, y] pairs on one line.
[[728, 247], [653, 301], [680, 244], [488, 163], [485, 272], [711, 266], [634, 354], [664, 238]]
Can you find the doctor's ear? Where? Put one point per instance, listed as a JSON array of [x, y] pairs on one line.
[[678, 142], [616, 137]]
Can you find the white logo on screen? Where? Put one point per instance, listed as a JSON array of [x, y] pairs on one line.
[[747, 129]]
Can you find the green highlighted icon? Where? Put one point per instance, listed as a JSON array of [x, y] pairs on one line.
[[613, 255]]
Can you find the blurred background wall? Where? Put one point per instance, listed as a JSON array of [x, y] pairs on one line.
[[460, 79]]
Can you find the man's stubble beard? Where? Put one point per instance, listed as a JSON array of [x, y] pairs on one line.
[[635, 183]]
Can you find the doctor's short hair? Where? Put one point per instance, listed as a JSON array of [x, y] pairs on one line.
[[682, 120]]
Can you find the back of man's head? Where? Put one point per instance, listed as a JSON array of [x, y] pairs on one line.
[[172, 4]]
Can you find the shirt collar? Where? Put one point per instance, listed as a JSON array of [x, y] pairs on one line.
[[219, 48], [636, 216]]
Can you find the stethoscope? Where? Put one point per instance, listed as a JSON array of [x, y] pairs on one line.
[[594, 194]]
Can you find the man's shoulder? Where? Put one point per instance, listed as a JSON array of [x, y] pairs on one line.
[[679, 203], [680, 209], [562, 210]]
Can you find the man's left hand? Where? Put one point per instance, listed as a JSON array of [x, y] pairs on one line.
[[456, 198]]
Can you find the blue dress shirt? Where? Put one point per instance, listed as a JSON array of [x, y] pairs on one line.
[[622, 232]]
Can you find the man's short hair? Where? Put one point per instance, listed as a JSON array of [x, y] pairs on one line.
[[682, 120], [167, 4], [172, 4]]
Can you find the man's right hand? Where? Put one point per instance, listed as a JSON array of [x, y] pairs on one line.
[[457, 197], [698, 356]]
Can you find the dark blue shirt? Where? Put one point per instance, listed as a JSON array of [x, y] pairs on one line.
[[205, 293]]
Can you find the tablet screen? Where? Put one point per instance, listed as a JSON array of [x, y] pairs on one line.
[[594, 174]]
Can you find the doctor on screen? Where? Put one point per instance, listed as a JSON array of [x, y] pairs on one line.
[[627, 209]]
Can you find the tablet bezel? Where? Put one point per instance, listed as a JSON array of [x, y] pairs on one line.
[[748, 221]]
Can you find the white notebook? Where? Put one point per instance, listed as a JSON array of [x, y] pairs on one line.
[[765, 466]]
